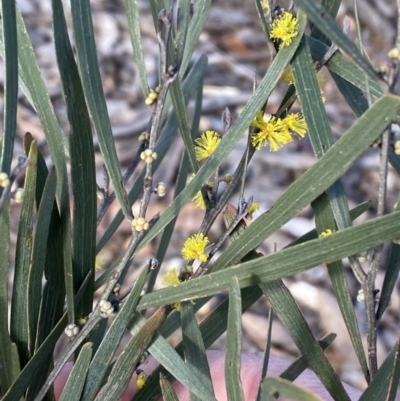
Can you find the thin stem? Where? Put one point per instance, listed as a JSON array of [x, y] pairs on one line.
[[369, 287], [168, 74], [108, 199]]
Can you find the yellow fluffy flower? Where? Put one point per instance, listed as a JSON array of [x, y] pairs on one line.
[[206, 144], [172, 280], [198, 199], [295, 123], [254, 207], [284, 28], [194, 247], [326, 233], [272, 131]]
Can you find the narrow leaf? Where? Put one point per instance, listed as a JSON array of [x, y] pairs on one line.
[[378, 388], [8, 21], [283, 263], [74, 385], [167, 390], [195, 352], [91, 80], [195, 28], [39, 253], [82, 162], [19, 328], [234, 387], [132, 14]]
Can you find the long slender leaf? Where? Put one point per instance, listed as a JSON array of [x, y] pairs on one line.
[[281, 264], [132, 14], [195, 352], [8, 350], [194, 31], [39, 253], [378, 388], [8, 21], [395, 376], [91, 80], [53, 295], [180, 110], [108, 346], [82, 162], [19, 328], [234, 387], [74, 385], [168, 392], [183, 20]]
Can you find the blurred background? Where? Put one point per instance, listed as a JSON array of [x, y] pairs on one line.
[[237, 56]]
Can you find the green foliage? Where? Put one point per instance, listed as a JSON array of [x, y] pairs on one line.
[[57, 246]]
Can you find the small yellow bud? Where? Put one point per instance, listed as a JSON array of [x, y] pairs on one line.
[[19, 195], [152, 97], [360, 296], [326, 233], [71, 330], [106, 307], [394, 53], [148, 156], [396, 206], [397, 148], [161, 189], [4, 180], [141, 380], [228, 178], [116, 288], [363, 256], [140, 224], [144, 137]]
